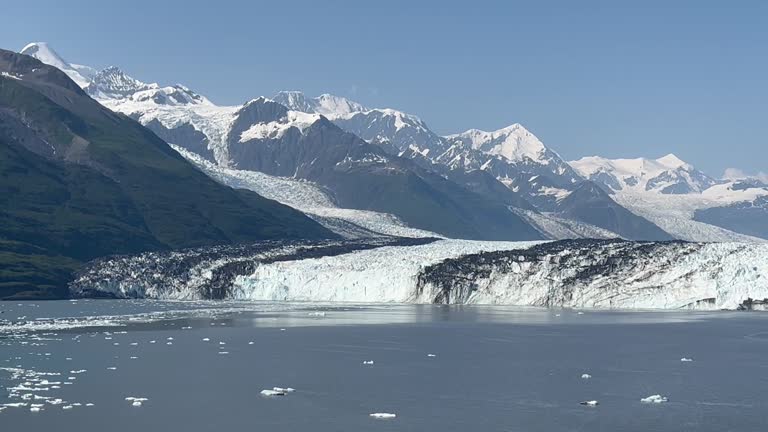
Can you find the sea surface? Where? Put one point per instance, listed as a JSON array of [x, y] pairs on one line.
[[115, 365]]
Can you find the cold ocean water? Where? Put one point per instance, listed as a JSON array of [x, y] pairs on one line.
[[148, 365]]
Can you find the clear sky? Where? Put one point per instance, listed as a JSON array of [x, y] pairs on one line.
[[614, 78]]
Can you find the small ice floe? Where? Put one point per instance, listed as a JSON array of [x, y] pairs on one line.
[[282, 329], [136, 401], [112, 368], [71, 378], [67, 407], [223, 352], [271, 393], [383, 416], [116, 343], [222, 343], [579, 313], [206, 340], [586, 376], [35, 408], [250, 343], [316, 314], [169, 343], [590, 403], [169, 338], [134, 343], [655, 399], [152, 341], [284, 389], [187, 328], [368, 362], [75, 372], [431, 355], [68, 359], [134, 357], [686, 360]]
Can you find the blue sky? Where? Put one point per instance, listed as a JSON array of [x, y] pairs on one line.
[[588, 77]]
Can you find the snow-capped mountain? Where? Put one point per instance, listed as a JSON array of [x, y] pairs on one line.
[[509, 166], [666, 175], [682, 200], [82, 75], [394, 130]]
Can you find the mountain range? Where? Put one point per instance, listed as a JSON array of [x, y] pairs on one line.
[[358, 164]]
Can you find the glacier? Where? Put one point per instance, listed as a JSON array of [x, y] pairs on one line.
[[609, 274]]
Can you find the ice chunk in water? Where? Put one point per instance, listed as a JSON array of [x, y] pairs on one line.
[[272, 393], [586, 376], [590, 403], [368, 362], [686, 360], [654, 399], [383, 416]]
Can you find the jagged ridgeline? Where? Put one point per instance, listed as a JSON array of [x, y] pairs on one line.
[[78, 181]]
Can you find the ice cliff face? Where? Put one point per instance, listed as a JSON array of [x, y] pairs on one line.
[[604, 274], [569, 273]]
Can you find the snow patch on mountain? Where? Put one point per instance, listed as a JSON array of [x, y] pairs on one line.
[[276, 129]]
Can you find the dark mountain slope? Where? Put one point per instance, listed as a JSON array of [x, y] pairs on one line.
[[588, 202], [78, 181]]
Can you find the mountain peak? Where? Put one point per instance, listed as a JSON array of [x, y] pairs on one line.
[[672, 161], [513, 142], [43, 52]]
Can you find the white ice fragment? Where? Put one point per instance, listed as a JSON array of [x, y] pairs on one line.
[[206, 340], [272, 393], [656, 399], [169, 343], [169, 338], [590, 403], [686, 360], [586, 376], [89, 404], [152, 341], [368, 362], [316, 314], [431, 355], [67, 407], [250, 343], [112, 368], [383, 416], [223, 352], [283, 389]]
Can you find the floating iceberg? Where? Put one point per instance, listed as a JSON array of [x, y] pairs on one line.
[[656, 399], [383, 416]]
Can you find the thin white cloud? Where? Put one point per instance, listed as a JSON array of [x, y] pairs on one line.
[[739, 174]]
